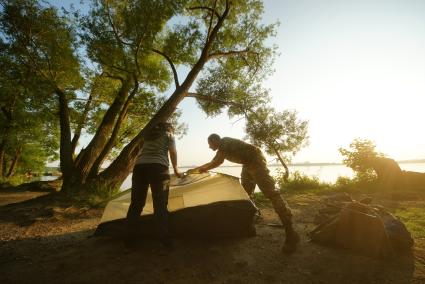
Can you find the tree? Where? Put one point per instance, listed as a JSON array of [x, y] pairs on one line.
[[359, 156], [28, 132], [133, 49], [218, 40], [42, 41], [280, 133]]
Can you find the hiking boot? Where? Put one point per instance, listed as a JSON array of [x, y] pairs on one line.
[[258, 217], [291, 242]]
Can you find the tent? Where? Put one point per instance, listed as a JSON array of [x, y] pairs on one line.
[[365, 230], [201, 205]]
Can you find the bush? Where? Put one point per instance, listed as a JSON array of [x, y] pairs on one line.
[[357, 182], [298, 181], [13, 180]]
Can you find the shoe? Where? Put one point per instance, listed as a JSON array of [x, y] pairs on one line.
[[291, 242]]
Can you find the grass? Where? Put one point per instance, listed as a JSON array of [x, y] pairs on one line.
[[413, 218], [410, 209]]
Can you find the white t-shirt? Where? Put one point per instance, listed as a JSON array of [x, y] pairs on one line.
[[156, 151]]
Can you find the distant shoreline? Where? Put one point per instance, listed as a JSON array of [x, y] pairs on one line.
[[306, 164], [313, 164]]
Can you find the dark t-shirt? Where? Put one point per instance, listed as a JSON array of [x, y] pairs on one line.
[[237, 151]]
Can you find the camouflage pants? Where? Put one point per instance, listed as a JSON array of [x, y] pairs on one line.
[[257, 173]]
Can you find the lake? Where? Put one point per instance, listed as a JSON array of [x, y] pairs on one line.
[[325, 173]]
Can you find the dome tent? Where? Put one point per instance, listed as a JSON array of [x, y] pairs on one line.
[[201, 205], [364, 229]]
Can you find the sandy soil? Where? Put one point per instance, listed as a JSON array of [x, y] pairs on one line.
[[48, 241]]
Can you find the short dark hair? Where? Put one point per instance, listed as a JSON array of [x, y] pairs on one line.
[[158, 129], [214, 137]]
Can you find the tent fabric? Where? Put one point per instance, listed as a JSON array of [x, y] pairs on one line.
[[200, 205], [365, 230]]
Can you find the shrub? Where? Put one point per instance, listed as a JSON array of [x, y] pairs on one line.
[[13, 180], [298, 181], [357, 182]]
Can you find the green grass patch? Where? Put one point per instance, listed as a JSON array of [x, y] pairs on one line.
[[414, 219], [261, 200]]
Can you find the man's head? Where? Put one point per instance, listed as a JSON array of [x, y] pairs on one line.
[[214, 141]]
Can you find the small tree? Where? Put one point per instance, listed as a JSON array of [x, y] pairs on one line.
[[359, 156], [280, 134]]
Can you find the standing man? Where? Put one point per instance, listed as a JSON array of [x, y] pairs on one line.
[[254, 171]]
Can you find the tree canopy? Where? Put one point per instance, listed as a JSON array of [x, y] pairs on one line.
[[116, 70]]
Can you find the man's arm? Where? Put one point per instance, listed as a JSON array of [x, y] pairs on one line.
[[217, 161]]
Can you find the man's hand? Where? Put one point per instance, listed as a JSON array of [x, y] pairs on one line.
[[197, 170], [178, 174], [192, 171]]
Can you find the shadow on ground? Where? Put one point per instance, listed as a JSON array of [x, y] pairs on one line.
[[58, 247]]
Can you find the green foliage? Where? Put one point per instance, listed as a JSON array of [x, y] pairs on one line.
[[414, 219], [241, 60], [42, 41], [277, 132], [359, 156], [299, 182], [120, 35], [37, 58], [13, 180], [97, 58], [358, 182], [261, 200]]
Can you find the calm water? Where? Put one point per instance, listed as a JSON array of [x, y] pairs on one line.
[[325, 173]]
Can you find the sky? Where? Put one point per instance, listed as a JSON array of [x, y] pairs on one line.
[[353, 69]]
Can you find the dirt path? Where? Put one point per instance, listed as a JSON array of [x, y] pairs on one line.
[[52, 243]]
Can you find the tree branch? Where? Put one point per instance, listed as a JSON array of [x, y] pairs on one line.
[[93, 100], [113, 66], [211, 10], [210, 99], [211, 20], [215, 31], [114, 30], [81, 122], [176, 78], [107, 75], [230, 53]]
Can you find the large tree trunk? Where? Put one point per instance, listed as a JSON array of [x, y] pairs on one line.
[[1, 159], [5, 136], [120, 168], [115, 174], [66, 161], [88, 156], [112, 140], [14, 163], [4, 167], [3, 152], [81, 123]]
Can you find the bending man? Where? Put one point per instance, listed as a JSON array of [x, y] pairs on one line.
[[254, 172]]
